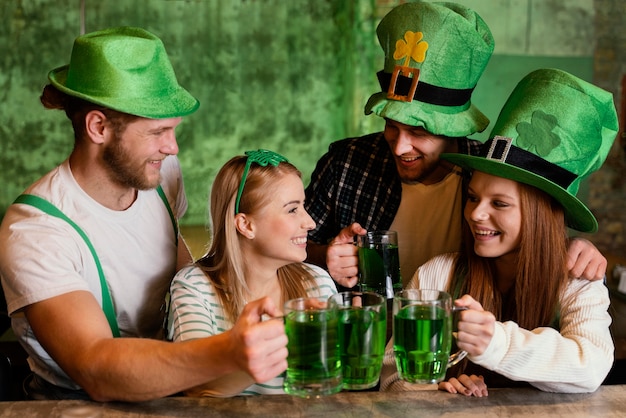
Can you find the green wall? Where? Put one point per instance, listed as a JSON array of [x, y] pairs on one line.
[[504, 71], [283, 75], [288, 75]]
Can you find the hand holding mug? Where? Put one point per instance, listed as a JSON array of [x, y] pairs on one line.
[[341, 256], [475, 327], [259, 347]]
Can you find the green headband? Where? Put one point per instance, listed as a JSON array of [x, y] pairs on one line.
[[262, 157]]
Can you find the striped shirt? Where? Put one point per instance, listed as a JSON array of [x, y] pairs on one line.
[[197, 312]]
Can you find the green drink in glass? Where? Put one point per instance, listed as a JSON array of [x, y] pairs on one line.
[[420, 345], [379, 263], [313, 363], [362, 329], [422, 333]]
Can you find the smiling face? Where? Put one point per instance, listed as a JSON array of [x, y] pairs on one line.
[[281, 226], [416, 152], [134, 157], [494, 214]]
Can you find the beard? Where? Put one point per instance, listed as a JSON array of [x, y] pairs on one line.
[[416, 176], [123, 169]]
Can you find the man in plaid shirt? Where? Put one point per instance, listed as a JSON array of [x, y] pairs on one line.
[[434, 57]]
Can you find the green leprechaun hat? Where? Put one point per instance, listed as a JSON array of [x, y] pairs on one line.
[[125, 69], [434, 55], [553, 131]]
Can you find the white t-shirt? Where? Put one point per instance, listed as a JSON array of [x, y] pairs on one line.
[[43, 256]]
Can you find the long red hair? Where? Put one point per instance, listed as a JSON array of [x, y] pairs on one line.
[[541, 265]]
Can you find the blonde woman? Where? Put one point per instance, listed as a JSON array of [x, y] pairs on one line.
[[258, 244]]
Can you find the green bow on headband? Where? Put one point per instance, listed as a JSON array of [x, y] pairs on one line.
[[262, 157]]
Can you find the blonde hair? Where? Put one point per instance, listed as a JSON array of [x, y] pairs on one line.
[[224, 262]]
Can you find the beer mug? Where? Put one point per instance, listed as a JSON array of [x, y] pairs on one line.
[[422, 335], [379, 263], [362, 330], [313, 362]]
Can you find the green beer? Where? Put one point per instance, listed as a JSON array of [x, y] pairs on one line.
[[422, 342], [379, 267], [362, 346], [313, 363]]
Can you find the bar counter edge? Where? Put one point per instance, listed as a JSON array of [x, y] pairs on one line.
[[607, 401]]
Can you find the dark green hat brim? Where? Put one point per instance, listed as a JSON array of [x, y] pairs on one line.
[[577, 215], [440, 50], [451, 121]]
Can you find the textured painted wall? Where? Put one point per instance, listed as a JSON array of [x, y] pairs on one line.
[[289, 75], [608, 187], [285, 75]]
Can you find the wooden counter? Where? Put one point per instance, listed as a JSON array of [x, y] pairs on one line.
[[608, 401]]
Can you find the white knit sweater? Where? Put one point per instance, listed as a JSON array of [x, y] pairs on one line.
[[576, 359]]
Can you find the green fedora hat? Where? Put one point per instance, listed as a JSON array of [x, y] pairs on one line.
[[125, 69], [434, 55], [553, 131]]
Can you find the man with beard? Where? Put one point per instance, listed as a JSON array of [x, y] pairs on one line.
[[435, 54], [90, 249]]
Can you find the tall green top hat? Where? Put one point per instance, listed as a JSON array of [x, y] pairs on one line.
[[553, 131], [434, 55], [124, 69]]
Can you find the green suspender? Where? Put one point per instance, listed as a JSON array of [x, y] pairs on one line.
[[50, 209], [169, 210]]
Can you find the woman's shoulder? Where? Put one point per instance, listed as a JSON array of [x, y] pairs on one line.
[[579, 289], [314, 270], [320, 279], [188, 271], [191, 275], [435, 273]]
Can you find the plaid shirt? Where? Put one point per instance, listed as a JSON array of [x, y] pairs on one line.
[[357, 181]]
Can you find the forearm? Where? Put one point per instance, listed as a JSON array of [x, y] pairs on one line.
[[129, 369], [548, 360], [74, 332], [230, 385], [575, 358]]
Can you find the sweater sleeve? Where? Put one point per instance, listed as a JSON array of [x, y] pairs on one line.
[[576, 359], [436, 273]]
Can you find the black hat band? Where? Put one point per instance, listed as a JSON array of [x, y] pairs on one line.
[[501, 149], [424, 92]]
